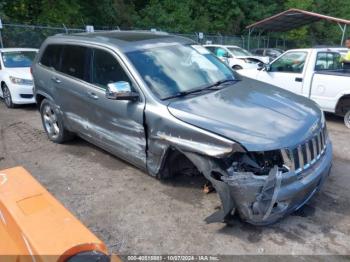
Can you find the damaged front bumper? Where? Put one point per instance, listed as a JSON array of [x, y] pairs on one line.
[[262, 200]]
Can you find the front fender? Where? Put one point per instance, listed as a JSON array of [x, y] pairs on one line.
[[164, 131]]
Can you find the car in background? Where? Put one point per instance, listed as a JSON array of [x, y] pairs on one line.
[[237, 57], [15, 77], [316, 73], [272, 53]]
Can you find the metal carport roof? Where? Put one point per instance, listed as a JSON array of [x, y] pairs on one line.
[[294, 18], [291, 19]]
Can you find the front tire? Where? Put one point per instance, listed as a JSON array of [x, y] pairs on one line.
[[237, 67], [347, 119], [53, 123], [7, 96]]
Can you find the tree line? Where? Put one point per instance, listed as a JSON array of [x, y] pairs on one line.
[[182, 16]]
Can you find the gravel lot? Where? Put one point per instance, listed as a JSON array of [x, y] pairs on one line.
[[137, 214]]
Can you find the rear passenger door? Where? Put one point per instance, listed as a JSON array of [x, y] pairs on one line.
[[71, 88], [118, 123]]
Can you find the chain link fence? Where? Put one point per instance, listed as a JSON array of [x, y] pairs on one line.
[[19, 35]]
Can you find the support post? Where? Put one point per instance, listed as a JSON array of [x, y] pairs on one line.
[[1, 43], [343, 30], [248, 44], [259, 38], [65, 28], [250, 31]]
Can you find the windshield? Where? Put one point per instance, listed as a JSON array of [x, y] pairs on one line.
[[174, 69], [237, 51], [18, 58]]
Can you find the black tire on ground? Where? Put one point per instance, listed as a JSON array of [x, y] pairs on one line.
[[347, 119], [237, 67], [53, 123], [7, 96]]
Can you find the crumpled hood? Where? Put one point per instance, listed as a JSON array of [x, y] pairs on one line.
[[259, 116], [20, 72]]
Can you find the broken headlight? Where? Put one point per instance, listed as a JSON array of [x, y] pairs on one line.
[[259, 163]]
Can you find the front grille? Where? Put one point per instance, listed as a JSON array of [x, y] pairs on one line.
[[306, 154]]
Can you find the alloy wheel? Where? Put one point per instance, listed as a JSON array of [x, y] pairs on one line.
[[50, 122], [347, 119], [7, 96]]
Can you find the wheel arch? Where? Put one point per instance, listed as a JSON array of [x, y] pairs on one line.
[[343, 105], [168, 168], [2, 84], [40, 96]]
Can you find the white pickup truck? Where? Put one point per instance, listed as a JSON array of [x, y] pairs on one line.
[[316, 73]]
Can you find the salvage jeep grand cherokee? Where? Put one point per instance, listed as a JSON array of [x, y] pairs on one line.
[[165, 104]]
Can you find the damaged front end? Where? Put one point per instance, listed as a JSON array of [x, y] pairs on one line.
[[265, 186], [261, 186]]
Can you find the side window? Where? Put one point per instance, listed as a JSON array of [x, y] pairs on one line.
[[75, 61], [210, 48], [51, 56], [328, 61], [292, 62], [106, 69], [259, 52], [271, 53], [337, 61], [220, 52]]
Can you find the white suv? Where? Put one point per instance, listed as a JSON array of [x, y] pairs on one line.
[[15, 77], [237, 57]]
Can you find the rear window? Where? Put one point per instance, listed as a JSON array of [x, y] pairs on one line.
[[51, 56], [17, 59], [328, 61], [75, 61]]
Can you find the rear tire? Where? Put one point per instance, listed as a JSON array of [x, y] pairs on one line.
[[237, 67], [7, 96], [347, 119], [53, 123]]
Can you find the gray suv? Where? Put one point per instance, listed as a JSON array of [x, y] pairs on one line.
[[166, 105]]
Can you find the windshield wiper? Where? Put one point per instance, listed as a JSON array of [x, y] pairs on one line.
[[219, 83], [215, 86]]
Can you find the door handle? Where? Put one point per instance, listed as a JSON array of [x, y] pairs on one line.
[[298, 79], [92, 95], [56, 80]]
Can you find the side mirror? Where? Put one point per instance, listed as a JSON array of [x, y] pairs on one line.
[[120, 91], [266, 67]]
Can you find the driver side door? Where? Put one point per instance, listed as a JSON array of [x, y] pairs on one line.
[[286, 72], [117, 124]]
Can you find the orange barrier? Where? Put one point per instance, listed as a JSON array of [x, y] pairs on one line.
[[34, 226]]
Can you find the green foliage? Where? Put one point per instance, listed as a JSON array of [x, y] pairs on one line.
[[168, 15], [183, 16]]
